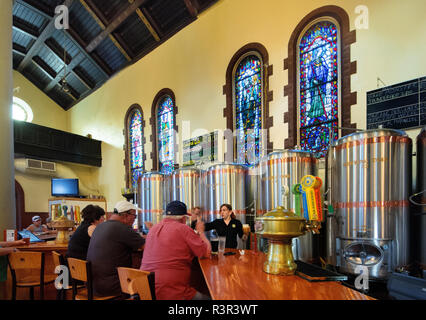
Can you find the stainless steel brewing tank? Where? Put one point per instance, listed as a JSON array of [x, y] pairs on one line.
[[371, 182], [225, 183], [420, 218], [184, 185], [151, 198], [286, 168]]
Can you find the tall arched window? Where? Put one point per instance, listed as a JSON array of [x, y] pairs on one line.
[[135, 145], [248, 109], [165, 135], [318, 87], [319, 80], [247, 103]]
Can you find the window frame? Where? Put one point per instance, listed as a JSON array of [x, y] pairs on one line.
[[339, 73], [128, 167], [154, 125]]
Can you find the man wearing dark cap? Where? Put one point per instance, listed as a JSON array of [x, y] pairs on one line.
[[170, 247], [111, 246]]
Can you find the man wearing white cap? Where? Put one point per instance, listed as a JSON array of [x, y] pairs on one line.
[[37, 227], [111, 246]]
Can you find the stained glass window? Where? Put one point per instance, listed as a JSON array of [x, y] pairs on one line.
[[165, 135], [136, 147], [318, 56], [248, 109]]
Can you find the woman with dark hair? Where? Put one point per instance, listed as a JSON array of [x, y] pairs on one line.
[[228, 226], [79, 242]]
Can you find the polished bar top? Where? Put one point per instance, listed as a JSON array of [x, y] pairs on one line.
[[240, 277], [44, 246]]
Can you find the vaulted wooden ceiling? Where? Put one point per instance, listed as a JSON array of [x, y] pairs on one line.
[[104, 36]]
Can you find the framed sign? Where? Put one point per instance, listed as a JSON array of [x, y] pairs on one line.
[[400, 106], [200, 149]]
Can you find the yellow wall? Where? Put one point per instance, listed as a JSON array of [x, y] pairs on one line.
[[46, 113], [193, 64]]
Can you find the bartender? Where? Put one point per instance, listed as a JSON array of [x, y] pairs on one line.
[[229, 226]]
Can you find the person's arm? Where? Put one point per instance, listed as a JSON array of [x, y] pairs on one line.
[[6, 251], [200, 228], [239, 229], [12, 243], [210, 225], [90, 230], [30, 228]]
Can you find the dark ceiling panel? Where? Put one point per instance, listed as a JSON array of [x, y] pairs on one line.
[[110, 8], [110, 54], [104, 37], [135, 34], [35, 75], [22, 39], [17, 59], [64, 42], [51, 59], [83, 23], [60, 97], [92, 71], [169, 14], [28, 16], [74, 82]]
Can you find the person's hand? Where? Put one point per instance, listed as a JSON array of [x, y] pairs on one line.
[[148, 224], [19, 243], [244, 237], [200, 227]]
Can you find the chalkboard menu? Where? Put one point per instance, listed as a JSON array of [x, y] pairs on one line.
[[200, 150], [399, 106]]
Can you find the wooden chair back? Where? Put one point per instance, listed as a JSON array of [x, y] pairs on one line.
[[26, 260], [134, 281], [78, 269], [57, 258]]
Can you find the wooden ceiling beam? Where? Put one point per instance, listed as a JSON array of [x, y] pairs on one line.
[[100, 18], [147, 24], [105, 70], [46, 33], [152, 22], [193, 7], [113, 25]]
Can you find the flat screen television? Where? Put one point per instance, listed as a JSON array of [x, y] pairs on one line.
[[65, 187]]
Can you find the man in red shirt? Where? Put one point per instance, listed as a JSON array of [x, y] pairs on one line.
[[169, 250]]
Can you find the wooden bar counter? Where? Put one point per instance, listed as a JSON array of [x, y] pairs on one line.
[[240, 277]]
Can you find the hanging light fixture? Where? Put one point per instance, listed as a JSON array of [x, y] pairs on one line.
[[64, 85]]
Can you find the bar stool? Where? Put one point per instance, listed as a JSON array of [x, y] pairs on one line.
[[137, 283], [81, 270], [27, 269]]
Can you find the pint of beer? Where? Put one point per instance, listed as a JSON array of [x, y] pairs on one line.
[[246, 228]]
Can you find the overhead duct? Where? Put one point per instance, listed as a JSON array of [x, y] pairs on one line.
[[51, 169]]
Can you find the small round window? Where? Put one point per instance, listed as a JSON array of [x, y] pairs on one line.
[[21, 110]]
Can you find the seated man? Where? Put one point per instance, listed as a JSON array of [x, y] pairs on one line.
[[111, 246], [37, 227], [169, 250]]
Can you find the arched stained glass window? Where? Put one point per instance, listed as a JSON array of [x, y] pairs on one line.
[[136, 147], [248, 109], [319, 87], [165, 127]]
